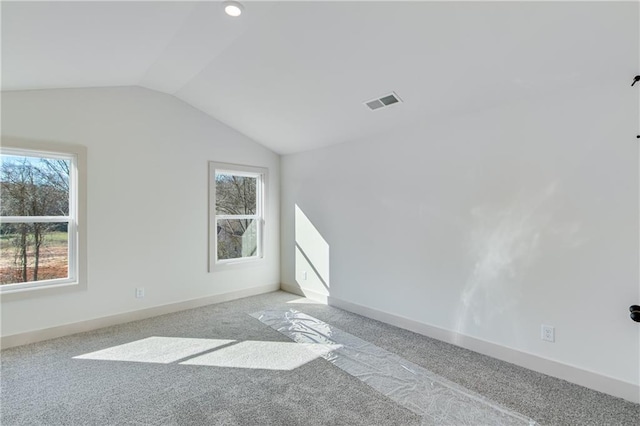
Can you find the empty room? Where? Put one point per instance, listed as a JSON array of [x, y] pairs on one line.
[[320, 213]]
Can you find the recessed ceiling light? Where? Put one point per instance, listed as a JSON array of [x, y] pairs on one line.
[[233, 8]]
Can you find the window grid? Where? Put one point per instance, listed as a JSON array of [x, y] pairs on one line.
[[70, 219], [253, 228]]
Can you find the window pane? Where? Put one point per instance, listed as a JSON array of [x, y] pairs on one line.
[[33, 252], [237, 238], [34, 186], [235, 194]]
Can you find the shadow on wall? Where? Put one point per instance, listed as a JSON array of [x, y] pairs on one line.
[[312, 257]]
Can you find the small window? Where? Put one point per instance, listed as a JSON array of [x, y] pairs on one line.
[[237, 198], [39, 227]]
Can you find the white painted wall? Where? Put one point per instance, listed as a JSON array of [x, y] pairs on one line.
[[487, 225], [148, 159]]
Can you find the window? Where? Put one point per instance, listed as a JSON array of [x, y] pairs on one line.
[[236, 212], [40, 244]]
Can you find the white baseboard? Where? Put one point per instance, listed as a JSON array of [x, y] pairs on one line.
[[586, 378], [93, 324], [309, 294]]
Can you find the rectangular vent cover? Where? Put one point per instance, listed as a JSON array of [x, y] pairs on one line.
[[375, 104], [383, 101]]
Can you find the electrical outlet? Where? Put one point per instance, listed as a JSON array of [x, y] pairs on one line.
[[304, 275], [139, 292], [548, 333]]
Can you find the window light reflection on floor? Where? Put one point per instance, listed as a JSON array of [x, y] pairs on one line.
[[214, 353], [263, 355], [160, 350]]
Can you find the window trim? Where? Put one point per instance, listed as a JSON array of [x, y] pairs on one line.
[[216, 265], [77, 260]]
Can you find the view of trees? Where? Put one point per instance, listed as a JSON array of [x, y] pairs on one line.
[[236, 196], [33, 250], [33, 186]]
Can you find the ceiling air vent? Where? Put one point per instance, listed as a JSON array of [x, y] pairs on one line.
[[384, 101]]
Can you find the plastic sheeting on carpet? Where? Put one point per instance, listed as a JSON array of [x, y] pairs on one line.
[[438, 400]]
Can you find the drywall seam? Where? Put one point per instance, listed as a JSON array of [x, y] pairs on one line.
[[93, 324], [589, 379]]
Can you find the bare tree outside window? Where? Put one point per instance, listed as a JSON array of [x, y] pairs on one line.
[[237, 196], [236, 203], [33, 187]]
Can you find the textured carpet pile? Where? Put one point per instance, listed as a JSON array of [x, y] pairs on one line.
[[216, 365]]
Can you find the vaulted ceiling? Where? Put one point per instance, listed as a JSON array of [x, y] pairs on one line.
[[294, 75]]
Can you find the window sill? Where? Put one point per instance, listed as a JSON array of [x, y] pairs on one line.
[[237, 264], [37, 290]]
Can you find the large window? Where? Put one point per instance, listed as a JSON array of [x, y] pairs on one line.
[[237, 198], [39, 212]]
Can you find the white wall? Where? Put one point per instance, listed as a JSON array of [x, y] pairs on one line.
[[148, 159], [487, 225]]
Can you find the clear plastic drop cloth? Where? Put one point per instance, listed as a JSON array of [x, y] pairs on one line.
[[438, 400]]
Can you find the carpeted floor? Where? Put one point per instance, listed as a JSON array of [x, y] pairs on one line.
[[170, 370]]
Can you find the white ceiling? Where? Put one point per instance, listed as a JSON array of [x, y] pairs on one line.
[[293, 75]]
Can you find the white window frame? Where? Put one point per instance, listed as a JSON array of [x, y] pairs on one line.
[[76, 229], [261, 174]]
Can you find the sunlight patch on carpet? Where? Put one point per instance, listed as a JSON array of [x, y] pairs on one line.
[[263, 355], [159, 350]]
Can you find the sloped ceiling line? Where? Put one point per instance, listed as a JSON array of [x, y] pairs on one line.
[[293, 75], [179, 28]]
